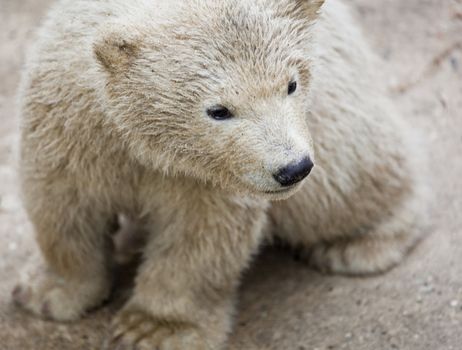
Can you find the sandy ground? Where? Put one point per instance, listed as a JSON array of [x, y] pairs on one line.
[[284, 305]]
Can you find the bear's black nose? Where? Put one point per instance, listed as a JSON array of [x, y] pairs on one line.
[[294, 173]]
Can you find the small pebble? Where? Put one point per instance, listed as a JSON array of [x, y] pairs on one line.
[[454, 303]]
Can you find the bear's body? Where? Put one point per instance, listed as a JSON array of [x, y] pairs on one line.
[[113, 121]]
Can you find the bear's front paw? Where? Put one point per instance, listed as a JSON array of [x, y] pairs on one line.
[[137, 330], [52, 297]]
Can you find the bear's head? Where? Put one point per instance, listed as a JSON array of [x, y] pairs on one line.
[[218, 92]]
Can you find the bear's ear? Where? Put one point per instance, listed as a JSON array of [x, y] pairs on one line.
[[299, 9], [116, 47]]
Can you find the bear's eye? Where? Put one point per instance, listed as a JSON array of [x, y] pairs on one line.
[[292, 87], [219, 113]]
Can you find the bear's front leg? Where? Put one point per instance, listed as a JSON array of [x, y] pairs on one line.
[[183, 298], [72, 231]]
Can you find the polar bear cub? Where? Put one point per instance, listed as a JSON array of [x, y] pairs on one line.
[[201, 121]]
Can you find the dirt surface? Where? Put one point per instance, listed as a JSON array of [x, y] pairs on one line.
[[284, 305]]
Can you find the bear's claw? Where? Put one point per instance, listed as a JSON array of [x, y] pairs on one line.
[[136, 330]]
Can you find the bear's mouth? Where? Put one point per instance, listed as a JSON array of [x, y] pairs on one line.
[[282, 190]]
